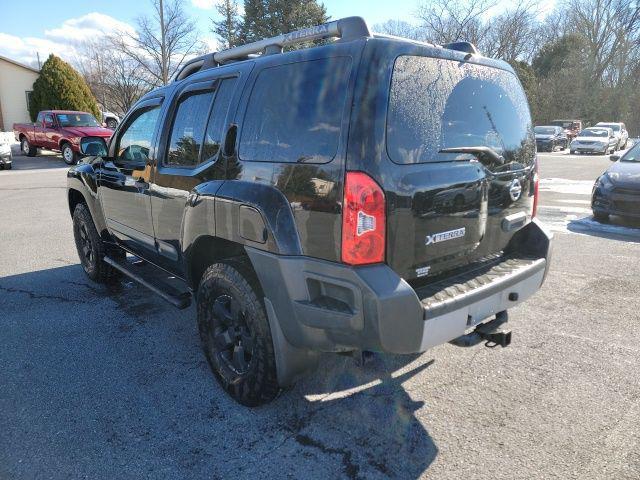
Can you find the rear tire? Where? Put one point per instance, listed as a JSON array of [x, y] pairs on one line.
[[112, 124], [235, 333], [91, 248], [601, 217], [68, 155], [28, 149]]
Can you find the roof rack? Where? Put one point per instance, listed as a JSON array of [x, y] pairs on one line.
[[346, 29], [466, 47]]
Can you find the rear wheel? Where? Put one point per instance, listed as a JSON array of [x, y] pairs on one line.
[[91, 248], [68, 155], [235, 333], [112, 124], [600, 217], [27, 148]]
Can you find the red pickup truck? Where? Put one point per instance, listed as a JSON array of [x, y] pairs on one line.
[[59, 130]]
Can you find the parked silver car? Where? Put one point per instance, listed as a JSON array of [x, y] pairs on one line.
[[619, 130], [594, 140]]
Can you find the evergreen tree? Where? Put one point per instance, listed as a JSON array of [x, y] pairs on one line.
[[228, 29], [60, 87], [269, 18]]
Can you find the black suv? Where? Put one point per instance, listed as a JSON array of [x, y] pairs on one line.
[[368, 194]]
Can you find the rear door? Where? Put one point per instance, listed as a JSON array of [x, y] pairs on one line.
[[447, 209], [190, 154]]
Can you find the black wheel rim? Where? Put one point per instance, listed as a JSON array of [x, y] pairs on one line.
[[85, 245], [231, 339]]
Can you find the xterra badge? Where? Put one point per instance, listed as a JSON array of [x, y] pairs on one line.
[[444, 236]]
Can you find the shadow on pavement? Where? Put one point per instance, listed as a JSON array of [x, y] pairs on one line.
[[110, 382], [618, 228], [41, 161]]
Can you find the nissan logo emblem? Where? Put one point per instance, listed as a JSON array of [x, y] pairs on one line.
[[515, 190]]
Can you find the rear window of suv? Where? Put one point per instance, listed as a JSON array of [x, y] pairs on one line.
[[436, 103], [295, 112]]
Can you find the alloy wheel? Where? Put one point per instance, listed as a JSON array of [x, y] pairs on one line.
[[231, 339]]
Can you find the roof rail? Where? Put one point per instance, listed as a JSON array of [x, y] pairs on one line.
[[348, 28], [466, 47]]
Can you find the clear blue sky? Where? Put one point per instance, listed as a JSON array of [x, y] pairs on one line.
[[61, 27], [44, 14]]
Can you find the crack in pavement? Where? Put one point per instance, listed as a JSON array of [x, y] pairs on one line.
[[37, 296]]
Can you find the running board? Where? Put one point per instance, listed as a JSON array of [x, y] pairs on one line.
[[177, 298]]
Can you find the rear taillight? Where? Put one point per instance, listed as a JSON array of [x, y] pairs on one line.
[[536, 186], [363, 220]]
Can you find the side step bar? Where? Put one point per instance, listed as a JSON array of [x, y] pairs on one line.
[[178, 299]]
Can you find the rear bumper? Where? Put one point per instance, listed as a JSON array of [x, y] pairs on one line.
[[327, 306]]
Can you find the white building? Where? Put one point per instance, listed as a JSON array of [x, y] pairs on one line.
[[16, 84]]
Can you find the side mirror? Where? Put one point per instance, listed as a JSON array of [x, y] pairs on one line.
[[93, 147], [614, 158], [49, 125], [104, 125], [229, 148]]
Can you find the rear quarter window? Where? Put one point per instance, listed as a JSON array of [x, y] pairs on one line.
[[436, 103], [295, 112]]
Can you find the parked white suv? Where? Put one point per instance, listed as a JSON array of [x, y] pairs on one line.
[[619, 131]]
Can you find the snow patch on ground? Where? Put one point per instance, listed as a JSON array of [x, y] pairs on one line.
[[562, 185], [7, 137], [586, 225]]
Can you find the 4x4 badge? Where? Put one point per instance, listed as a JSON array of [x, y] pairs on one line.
[[444, 236]]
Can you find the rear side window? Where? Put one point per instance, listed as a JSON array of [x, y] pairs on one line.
[[188, 129], [436, 103], [295, 112], [215, 127]]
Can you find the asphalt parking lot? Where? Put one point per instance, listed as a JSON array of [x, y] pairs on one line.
[[105, 383]]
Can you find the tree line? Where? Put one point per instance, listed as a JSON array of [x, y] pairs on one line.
[[581, 60]]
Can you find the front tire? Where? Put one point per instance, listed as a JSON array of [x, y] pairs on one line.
[[235, 333], [91, 248], [112, 124], [68, 155]]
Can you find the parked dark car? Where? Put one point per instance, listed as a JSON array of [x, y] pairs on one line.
[[60, 131], [550, 137], [306, 200], [617, 190]]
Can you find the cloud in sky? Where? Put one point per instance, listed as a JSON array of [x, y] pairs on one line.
[[63, 40], [204, 4]]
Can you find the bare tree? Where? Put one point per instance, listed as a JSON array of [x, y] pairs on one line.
[[400, 28], [610, 28], [115, 79], [512, 35], [163, 41], [448, 21]]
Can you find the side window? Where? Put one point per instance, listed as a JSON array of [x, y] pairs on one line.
[[135, 140], [295, 112], [48, 118], [187, 131], [40, 118], [215, 127]]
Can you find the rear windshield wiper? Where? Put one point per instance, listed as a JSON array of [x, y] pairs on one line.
[[486, 155]]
